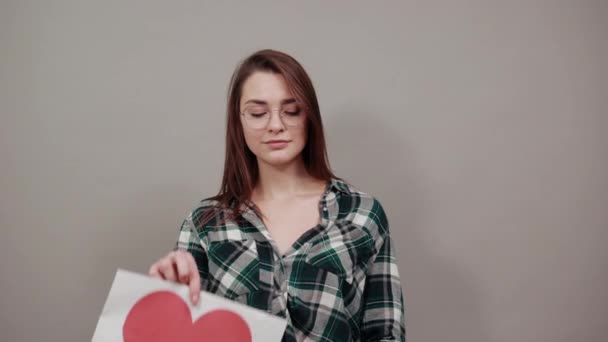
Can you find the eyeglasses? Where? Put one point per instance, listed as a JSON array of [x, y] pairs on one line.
[[258, 116]]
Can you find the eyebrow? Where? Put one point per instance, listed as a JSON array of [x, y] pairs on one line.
[[262, 102]]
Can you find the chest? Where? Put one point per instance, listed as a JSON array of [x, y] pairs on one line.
[[287, 221]]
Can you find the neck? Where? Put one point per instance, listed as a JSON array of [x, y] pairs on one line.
[[278, 182]]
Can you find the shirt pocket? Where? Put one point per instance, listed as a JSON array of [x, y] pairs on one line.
[[325, 279], [341, 252], [234, 268], [317, 300]]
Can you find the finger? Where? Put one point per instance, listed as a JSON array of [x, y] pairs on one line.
[[167, 269], [154, 272], [183, 268], [195, 280], [194, 285]]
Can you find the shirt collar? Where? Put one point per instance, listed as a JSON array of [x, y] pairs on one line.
[[339, 185]]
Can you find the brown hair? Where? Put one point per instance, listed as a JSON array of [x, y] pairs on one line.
[[240, 166]]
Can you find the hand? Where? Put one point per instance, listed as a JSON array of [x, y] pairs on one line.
[[179, 266]]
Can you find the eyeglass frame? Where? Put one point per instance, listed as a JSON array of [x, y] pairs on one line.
[[280, 116]]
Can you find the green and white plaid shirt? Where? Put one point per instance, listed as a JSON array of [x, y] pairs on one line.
[[338, 282]]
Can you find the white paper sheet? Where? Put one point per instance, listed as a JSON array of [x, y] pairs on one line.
[[129, 288]]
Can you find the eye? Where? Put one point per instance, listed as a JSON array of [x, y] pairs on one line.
[[256, 111], [293, 111]]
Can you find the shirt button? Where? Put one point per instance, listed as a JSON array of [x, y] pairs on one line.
[[324, 208]]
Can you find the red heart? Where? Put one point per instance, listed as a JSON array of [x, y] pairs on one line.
[[163, 316]]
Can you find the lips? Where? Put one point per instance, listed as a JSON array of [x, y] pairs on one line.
[[277, 144]]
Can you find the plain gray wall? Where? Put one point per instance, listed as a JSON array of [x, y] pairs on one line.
[[480, 126]]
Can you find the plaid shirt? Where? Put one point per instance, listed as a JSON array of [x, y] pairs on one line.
[[338, 282]]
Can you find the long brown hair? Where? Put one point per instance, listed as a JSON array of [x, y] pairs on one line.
[[240, 167]]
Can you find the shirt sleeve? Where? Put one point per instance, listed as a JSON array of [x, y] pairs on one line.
[[190, 241], [383, 306]]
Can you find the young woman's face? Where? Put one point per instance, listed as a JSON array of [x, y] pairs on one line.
[[271, 113]]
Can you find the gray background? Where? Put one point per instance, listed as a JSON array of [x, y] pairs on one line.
[[480, 126]]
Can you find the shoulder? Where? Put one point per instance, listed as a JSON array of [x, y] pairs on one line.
[[203, 211], [364, 210], [205, 204]]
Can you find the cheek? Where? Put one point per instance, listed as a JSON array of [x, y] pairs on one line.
[[302, 135], [252, 139]]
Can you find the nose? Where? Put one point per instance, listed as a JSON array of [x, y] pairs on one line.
[[276, 122]]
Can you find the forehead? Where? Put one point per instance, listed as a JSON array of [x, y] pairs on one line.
[[265, 86]]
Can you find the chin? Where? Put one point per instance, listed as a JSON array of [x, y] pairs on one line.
[[277, 160]]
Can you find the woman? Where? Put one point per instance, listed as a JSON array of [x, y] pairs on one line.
[[284, 234]]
